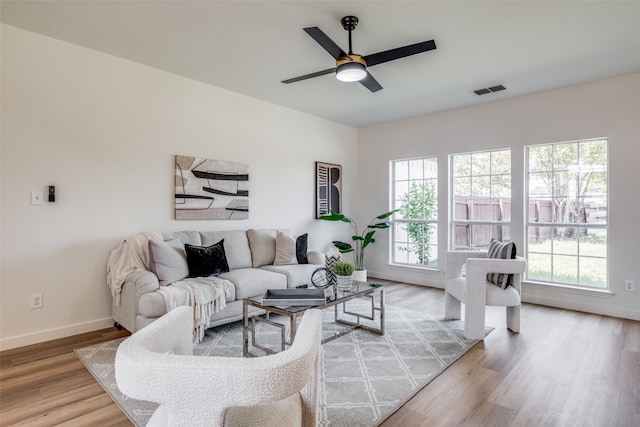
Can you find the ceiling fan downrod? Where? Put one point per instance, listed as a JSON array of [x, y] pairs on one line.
[[349, 23]]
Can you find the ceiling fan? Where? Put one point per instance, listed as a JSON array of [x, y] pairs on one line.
[[352, 67]]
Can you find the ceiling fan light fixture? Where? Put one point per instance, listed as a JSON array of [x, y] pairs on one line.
[[351, 68], [351, 72]]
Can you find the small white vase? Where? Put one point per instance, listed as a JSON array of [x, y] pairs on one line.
[[344, 282], [360, 275]]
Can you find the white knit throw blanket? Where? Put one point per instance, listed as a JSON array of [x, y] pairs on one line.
[[131, 255], [205, 294]]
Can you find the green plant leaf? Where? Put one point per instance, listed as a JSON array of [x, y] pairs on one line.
[[342, 246], [387, 215], [367, 242], [333, 217], [343, 268], [368, 238], [380, 225]]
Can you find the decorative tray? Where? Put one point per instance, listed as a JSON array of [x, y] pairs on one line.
[[294, 297]]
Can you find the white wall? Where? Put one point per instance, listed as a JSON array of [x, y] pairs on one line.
[[607, 108], [104, 131]]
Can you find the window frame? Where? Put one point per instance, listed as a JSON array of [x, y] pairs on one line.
[[528, 223], [470, 222], [433, 243]]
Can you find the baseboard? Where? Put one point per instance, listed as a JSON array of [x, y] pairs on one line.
[[52, 334], [421, 278], [602, 309], [433, 280]]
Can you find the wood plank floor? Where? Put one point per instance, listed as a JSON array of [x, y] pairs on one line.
[[564, 369]]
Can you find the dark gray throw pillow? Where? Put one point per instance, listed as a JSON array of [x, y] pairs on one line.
[[501, 250], [301, 249], [206, 261]]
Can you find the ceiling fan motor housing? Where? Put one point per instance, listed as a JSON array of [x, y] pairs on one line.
[[349, 59], [349, 23]]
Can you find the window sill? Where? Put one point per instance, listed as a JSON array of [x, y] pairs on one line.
[[602, 293], [416, 266]]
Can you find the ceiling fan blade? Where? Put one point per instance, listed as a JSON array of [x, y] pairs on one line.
[[400, 52], [370, 83], [309, 76], [324, 41]]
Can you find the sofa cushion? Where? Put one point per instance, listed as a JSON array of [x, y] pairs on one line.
[[206, 261], [263, 246], [168, 261], [190, 237], [495, 296], [254, 281], [296, 274], [290, 250], [236, 246]]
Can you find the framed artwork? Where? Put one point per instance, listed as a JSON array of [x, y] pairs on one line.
[[211, 189], [328, 188]]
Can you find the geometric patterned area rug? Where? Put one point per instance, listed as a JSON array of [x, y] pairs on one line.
[[364, 377]]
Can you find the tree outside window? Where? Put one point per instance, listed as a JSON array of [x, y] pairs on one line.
[[415, 233], [568, 205]]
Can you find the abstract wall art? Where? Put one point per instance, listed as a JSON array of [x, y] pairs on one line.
[[328, 189], [211, 189]]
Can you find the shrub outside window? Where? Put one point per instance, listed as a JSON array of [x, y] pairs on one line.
[[415, 229]]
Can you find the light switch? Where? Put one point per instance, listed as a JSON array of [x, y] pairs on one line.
[[37, 198]]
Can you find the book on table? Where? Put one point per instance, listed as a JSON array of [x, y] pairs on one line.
[[294, 297]]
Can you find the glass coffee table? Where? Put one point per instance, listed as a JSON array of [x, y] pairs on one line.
[[334, 298]]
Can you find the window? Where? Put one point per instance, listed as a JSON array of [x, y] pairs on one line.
[[567, 221], [415, 229], [480, 199]]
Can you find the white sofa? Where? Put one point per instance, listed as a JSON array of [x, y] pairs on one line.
[[250, 255]]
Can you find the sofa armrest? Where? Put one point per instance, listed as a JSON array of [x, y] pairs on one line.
[[315, 257], [143, 281]]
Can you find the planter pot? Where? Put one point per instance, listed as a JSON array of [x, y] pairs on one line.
[[360, 275], [344, 282]]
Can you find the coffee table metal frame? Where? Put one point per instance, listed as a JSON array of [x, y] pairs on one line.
[[358, 290]]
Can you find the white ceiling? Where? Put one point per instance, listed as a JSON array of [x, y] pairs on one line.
[[250, 46]]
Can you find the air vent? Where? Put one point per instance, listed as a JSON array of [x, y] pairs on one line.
[[491, 89], [482, 91]]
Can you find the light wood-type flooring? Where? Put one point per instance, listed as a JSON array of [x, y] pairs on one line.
[[565, 368]]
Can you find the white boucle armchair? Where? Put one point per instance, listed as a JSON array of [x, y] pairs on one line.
[[156, 364], [476, 293]]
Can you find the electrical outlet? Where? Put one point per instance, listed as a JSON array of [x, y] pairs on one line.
[[629, 285], [36, 301]]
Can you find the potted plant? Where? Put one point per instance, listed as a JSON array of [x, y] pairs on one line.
[[360, 240], [344, 271]]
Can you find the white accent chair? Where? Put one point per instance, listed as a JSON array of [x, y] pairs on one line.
[[156, 364], [476, 293]]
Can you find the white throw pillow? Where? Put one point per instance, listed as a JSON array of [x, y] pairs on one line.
[[168, 261]]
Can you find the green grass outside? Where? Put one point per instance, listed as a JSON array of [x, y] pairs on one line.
[[566, 255]]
